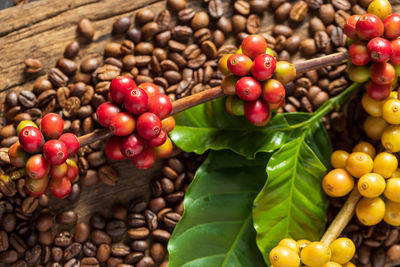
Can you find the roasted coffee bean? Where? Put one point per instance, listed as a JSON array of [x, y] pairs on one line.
[[158, 252], [44, 222], [142, 61], [27, 99], [119, 249], [162, 38], [72, 263], [144, 48], [8, 257], [63, 239], [316, 25], [174, 197], [116, 62], [167, 185], [242, 7], [72, 50], [67, 66], [322, 41], [200, 20], [108, 175], [89, 262], [179, 181], [336, 34], [182, 33], [172, 76], [19, 263], [137, 206], [35, 113], [149, 30], [23, 228], [282, 12], [8, 131], [171, 219], [202, 35], [29, 205], [133, 257], [138, 233], [275, 3], [176, 5], [12, 96], [298, 11], [144, 15], [86, 29], [238, 23], [136, 220], [127, 47], [197, 62], [341, 18], [121, 25], [89, 249], [145, 262], [12, 112], [341, 4], [99, 237], [293, 43], [97, 221], [32, 65], [4, 242], [32, 255], [326, 13], [71, 107], [314, 4], [308, 47], [89, 64], [45, 255], [161, 235], [164, 20], [116, 228], [140, 245], [114, 262], [103, 252], [67, 217], [56, 253], [259, 6], [337, 86], [218, 38], [57, 77], [157, 204], [151, 219], [22, 116], [135, 35], [281, 29], [186, 15]]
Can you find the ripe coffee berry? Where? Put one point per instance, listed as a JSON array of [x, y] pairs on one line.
[[52, 126], [369, 26], [122, 124], [31, 139], [144, 160], [55, 152], [113, 148], [359, 54], [148, 125], [350, 27], [36, 188], [277, 105], [253, 45], [60, 188], [136, 101], [273, 91], [58, 171], [18, 156], [159, 140], [160, 105], [223, 64], [228, 84], [37, 167], [382, 73], [72, 143], [257, 112], [119, 87], [379, 49], [105, 112], [132, 145], [248, 88], [378, 92], [392, 26], [168, 124], [150, 88], [24, 124], [164, 150], [73, 170], [240, 65], [263, 67], [395, 52]]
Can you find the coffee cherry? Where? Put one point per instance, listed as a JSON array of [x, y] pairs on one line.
[[257, 112], [371, 106], [277, 105], [337, 183], [343, 250], [160, 105], [144, 160], [349, 264], [392, 213], [284, 257], [168, 124], [240, 65], [52, 126], [165, 150], [390, 138], [392, 26], [385, 164], [234, 105], [73, 170], [332, 264], [371, 185], [285, 72], [132, 145], [263, 67], [395, 59], [159, 140], [31, 139], [58, 171], [302, 243], [223, 64], [24, 124], [366, 148], [379, 49], [370, 211], [105, 112], [270, 52], [248, 88], [228, 84], [289, 243], [18, 156], [72, 143], [150, 88], [382, 73], [36, 188], [273, 91], [391, 111], [60, 188], [315, 254], [253, 46], [359, 54], [148, 125], [392, 189], [380, 8], [350, 27], [359, 163], [378, 92], [136, 101], [37, 167], [119, 87], [369, 26], [113, 148], [338, 159], [358, 74], [55, 152], [122, 124]]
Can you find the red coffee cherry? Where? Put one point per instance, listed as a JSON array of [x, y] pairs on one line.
[[52, 126], [119, 87], [150, 88], [132, 145], [122, 124], [369, 26], [113, 148], [136, 101], [105, 112], [240, 65], [18, 156], [392, 26], [382, 73], [148, 125], [263, 67], [37, 167], [350, 27], [55, 152], [73, 170], [58, 171], [253, 45], [72, 143], [273, 91], [159, 140], [36, 188], [257, 112], [165, 150], [277, 105], [395, 52], [144, 160], [31, 139], [359, 54], [248, 88], [160, 105], [168, 124], [378, 92], [379, 49], [60, 188]]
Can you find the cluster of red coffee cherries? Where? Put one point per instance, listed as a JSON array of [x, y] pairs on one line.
[[45, 153], [252, 92], [374, 52], [138, 118]]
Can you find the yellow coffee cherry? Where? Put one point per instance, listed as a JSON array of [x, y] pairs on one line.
[[371, 185], [349, 264], [359, 163], [366, 148], [392, 190], [374, 127], [302, 243], [396, 173], [392, 213], [391, 138], [371, 106], [315, 254], [385, 164], [343, 250], [391, 111], [284, 257], [338, 159], [289, 243], [370, 211], [393, 95], [337, 183], [332, 264], [380, 8]]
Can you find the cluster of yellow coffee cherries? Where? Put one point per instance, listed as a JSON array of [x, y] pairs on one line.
[[378, 183], [290, 253]]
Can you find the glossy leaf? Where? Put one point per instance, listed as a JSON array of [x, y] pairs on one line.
[[216, 228]]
